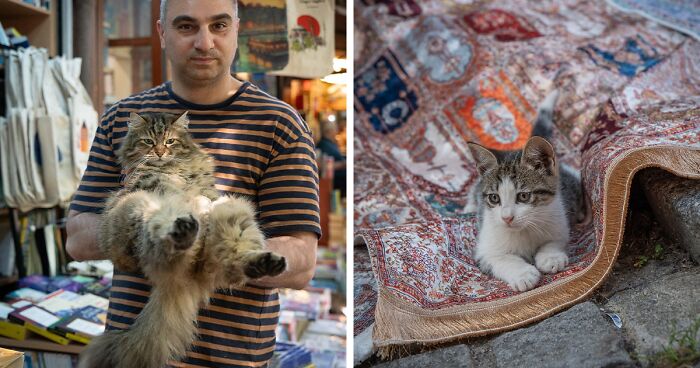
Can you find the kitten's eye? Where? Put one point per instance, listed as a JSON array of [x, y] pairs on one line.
[[170, 141], [494, 199], [524, 196], [148, 141]]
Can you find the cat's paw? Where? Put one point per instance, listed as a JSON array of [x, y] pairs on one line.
[[551, 262], [265, 264], [524, 279], [184, 232]]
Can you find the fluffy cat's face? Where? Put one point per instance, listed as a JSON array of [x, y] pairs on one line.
[[517, 188], [155, 139]]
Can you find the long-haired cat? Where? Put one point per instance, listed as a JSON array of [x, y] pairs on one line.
[[170, 223], [527, 202]]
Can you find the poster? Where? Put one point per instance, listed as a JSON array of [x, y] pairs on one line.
[[262, 36]]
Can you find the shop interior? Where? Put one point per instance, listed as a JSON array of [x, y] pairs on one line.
[[62, 64]]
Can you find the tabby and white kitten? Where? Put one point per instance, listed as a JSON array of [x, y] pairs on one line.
[[527, 202], [170, 223]]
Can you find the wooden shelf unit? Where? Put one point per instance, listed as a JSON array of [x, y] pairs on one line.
[[38, 24], [33, 342], [18, 8]]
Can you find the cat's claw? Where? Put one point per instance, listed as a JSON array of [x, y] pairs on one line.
[[551, 262], [184, 232], [267, 264], [524, 280]]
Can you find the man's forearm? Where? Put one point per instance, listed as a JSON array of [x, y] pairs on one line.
[[82, 229], [300, 252]]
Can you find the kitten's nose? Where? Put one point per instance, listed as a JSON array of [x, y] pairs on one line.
[[508, 220]]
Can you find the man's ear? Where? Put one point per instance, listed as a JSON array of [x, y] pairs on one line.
[[539, 154], [161, 33], [136, 121], [485, 159]]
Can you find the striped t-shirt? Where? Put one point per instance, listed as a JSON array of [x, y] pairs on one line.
[[262, 150]]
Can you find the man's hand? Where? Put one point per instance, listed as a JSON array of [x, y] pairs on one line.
[[82, 229], [300, 251]]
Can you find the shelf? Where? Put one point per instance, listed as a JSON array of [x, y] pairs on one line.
[[17, 8], [7, 280], [33, 342], [38, 24]]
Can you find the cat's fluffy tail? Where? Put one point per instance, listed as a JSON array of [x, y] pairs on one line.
[[544, 124], [163, 331], [103, 350]]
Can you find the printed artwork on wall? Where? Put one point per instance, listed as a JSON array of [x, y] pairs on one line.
[[311, 38], [262, 36]]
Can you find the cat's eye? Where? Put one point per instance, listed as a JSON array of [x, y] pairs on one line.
[[524, 197], [170, 141], [148, 141], [494, 199]]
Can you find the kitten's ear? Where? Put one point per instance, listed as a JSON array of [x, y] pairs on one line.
[[538, 153], [183, 121], [485, 159], [136, 121]]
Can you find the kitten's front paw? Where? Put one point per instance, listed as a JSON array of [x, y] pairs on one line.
[[184, 232], [524, 279], [266, 264], [551, 262]]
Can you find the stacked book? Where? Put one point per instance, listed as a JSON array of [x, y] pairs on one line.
[[61, 316]]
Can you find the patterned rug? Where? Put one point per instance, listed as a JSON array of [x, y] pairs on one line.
[[433, 75], [681, 15]]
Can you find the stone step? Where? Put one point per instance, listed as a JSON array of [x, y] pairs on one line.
[[675, 202], [456, 356], [649, 312], [581, 336]]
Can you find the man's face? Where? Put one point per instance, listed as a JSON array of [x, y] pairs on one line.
[[200, 38]]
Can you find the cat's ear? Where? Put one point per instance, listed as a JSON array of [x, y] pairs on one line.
[[136, 121], [539, 154], [183, 121], [485, 159]]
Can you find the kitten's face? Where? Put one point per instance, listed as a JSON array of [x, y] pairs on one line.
[[155, 139], [517, 189]]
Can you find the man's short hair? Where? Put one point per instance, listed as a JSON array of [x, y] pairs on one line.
[[164, 4]]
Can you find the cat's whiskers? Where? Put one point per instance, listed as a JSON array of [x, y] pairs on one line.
[[541, 225]]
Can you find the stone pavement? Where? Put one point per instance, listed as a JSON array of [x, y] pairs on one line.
[[654, 284]]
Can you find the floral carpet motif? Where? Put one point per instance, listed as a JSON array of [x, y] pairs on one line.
[[427, 83]]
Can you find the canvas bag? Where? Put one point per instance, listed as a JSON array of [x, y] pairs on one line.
[[311, 35], [22, 170], [83, 117], [6, 171], [56, 130]]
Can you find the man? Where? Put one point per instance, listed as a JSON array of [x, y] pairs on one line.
[[262, 150], [329, 146]]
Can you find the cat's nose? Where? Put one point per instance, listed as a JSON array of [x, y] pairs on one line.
[[508, 220]]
